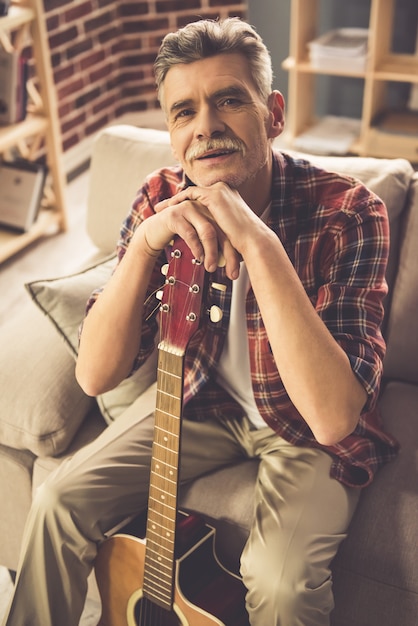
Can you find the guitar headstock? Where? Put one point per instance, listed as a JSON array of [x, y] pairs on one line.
[[181, 302]]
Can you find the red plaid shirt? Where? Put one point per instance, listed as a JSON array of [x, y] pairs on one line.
[[335, 232]]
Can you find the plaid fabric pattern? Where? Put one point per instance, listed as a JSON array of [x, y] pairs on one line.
[[335, 233]]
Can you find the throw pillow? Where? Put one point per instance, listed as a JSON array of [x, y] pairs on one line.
[[42, 406], [63, 300]]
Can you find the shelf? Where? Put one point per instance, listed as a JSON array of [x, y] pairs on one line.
[[11, 135], [17, 17], [382, 72], [398, 68], [48, 223], [396, 131], [307, 68], [381, 144], [40, 128]]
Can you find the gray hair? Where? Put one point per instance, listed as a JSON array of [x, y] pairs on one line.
[[206, 38]]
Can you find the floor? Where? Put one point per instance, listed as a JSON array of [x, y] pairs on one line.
[[53, 256]]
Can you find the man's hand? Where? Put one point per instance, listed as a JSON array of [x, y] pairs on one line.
[[214, 221]]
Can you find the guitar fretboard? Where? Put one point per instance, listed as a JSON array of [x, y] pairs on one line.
[[162, 504]]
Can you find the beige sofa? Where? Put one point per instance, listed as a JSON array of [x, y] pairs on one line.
[[45, 416]]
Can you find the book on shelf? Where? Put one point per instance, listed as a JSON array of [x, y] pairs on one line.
[[341, 48], [4, 7], [332, 134], [13, 78], [21, 189], [397, 122]]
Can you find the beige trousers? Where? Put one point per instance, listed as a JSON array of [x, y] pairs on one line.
[[301, 516]]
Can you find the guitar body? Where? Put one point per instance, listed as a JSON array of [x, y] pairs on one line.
[[205, 594]]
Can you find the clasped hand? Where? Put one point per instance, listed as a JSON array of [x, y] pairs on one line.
[[214, 222]]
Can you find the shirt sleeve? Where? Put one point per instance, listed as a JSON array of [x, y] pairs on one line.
[[350, 299]]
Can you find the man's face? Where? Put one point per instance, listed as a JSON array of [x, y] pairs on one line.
[[219, 125]]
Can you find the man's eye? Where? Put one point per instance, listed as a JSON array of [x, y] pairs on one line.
[[230, 102], [184, 113]]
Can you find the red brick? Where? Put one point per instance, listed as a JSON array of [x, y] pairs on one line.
[[78, 11], [171, 6], [99, 21], [70, 87], [70, 142], [50, 5], [63, 73], [74, 123], [127, 9], [62, 37], [94, 58], [101, 72], [107, 103]]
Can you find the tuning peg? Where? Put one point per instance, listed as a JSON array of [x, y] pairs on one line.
[[215, 314], [218, 286], [159, 294], [164, 269]]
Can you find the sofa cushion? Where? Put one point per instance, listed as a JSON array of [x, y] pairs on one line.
[[123, 156], [42, 406], [63, 300], [379, 558], [401, 359]]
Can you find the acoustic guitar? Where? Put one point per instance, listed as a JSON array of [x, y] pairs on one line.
[[162, 569]]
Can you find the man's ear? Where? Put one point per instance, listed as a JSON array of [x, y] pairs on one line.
[[276, 106]]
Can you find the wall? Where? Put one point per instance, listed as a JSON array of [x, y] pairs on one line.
[[102, 53]]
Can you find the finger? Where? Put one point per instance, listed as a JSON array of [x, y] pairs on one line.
[[230, 258], [173, 201]]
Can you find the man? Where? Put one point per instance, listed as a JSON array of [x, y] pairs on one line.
[[292, 376]]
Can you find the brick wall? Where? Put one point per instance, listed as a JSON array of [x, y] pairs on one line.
[[102, 53]]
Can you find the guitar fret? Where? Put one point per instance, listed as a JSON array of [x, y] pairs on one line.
[[166, 478], [152, 593], [168, 524], [154, 588], [159, 581], [167, 541], [160, 412], [158, 556], [159, 506]]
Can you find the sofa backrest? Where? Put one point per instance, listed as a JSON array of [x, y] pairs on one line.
[[124, 155]]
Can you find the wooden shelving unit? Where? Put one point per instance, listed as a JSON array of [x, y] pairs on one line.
[[26, 22], [382, 68]]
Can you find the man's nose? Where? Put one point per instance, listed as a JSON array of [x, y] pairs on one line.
[[208, 122]]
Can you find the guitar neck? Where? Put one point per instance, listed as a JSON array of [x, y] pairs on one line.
[[162, 503]]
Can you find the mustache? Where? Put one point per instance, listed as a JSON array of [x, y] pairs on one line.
[[215, 143]]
